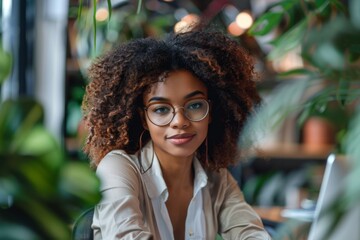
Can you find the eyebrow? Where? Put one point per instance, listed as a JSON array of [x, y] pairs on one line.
[[192, 94]]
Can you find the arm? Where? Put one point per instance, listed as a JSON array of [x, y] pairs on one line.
[[119, 214], [237, 219]]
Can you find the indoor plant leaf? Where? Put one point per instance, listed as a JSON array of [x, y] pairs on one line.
[[266, 23], [289, 40]]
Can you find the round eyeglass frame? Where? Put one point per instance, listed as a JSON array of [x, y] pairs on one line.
[[207, 101]]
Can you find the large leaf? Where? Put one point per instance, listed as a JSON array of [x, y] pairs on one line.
[[289, 40], [77, 181], [17, 119], [34, 168], [332, 46], [266, 23], [285, 100]]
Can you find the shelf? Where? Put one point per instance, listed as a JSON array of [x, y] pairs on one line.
[[295, 151]]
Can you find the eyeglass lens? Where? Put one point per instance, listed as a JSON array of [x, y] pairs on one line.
[[162, 113]]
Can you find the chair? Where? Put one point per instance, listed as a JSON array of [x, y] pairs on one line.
[[82, 227], [271, 226]]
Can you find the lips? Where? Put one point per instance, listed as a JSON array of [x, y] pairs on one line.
[[181, 138]]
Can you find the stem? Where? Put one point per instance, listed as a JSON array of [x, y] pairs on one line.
[[139, 6], [94, 23], [80, 9]]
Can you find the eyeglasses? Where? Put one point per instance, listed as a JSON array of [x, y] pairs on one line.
[[162, 114]]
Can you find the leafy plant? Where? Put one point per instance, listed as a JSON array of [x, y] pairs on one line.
[[41, 192], [328, 34], [96, 37], [94, 8]]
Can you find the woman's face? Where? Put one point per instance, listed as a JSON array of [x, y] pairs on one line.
[[180, 137]]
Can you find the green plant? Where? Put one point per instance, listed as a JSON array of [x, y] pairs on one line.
[[96, 37], [328, 34], [41, 192], [93, 15], [5, 64]]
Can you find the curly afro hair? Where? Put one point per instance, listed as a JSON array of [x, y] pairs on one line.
[[120, 77]]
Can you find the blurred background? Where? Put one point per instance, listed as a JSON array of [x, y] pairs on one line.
[[307, 61]]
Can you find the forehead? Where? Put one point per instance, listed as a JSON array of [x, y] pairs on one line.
[[176, 85]]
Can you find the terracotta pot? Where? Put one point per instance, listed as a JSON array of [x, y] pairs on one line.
[[318, 134]]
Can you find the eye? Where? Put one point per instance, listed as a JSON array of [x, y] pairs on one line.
[[160, 109], [194, 105]]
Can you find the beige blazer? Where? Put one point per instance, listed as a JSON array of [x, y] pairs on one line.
[[126, 211]]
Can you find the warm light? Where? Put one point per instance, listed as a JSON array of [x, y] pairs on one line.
[[244, 20], [234, 29], [187, 23], [102, 14], [289, 61], [181, 26], [191, 18]]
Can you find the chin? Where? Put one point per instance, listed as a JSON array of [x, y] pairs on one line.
[[182, 151]]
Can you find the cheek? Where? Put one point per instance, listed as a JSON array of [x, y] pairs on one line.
[[155, 131]]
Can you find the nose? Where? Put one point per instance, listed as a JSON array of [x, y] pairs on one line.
[[180, 120]]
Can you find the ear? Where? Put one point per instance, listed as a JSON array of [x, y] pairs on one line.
[[143, 118]]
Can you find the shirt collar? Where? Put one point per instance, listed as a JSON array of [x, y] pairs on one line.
[[154, 180], [200, 176]]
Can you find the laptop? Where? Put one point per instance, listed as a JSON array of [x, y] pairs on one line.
[[332, 187]]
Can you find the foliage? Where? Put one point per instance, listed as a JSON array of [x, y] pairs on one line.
[[121, 27], [5, 64], [96, 37], [329, 36], [41, 192], [328, 33]]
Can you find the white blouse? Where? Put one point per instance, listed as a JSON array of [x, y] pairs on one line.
[[195, 219]]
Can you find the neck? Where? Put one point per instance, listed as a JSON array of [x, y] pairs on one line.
[[177, 172]]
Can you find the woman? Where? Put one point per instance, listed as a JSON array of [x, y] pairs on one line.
[[164, 117]]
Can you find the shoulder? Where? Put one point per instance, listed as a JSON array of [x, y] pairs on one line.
[[115, 160], [117, 166], [220, 177], [222, 184]]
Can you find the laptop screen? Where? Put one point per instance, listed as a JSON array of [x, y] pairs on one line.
[[332, 187]]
